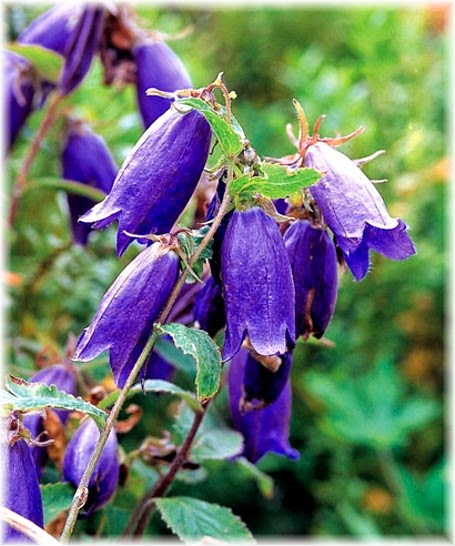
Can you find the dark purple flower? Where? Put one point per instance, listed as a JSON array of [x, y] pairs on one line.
[[21, 492], [258, 289], [104, 480], [354, 210], [64, 378], [157, 179], [128, 310], [209, 307], [86, 159], [53, 28], [159, 67], [313, 261], [81, 47], [264, 430], [20, 93]]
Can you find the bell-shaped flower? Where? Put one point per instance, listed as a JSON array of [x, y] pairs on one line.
[[209, 307], [53, 28], [21, 491], [19, 95], [258, 289], [63, 376], [85, 158], [157, 66], [104, 480], [81, 47], [313, 259], [128, 310], [157, 179], [354, 210], [264, 430]]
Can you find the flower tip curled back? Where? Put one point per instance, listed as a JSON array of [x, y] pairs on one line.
[[104, 479], [354, 210], [157, 179], [128, 310], [258, 289]]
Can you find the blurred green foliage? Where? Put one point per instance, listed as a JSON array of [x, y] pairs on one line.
[[368, 412]]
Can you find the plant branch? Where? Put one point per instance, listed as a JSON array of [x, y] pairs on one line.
[[21, 179], [27, 527], [80, 496]]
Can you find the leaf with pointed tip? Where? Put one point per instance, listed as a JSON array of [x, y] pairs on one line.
[[47, 63], [20, 395]]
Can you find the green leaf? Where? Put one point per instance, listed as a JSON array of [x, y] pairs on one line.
[[230, 137], [193, 520], [190, 242], [56, 498], [69, 186], [278, 182], [199, 345], [264, 481], [170, 353], [47, 63], [213, 441], [155, 385], [21, 395]]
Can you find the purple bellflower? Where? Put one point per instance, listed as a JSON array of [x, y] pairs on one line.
[[258, 289], [21, 489], [64, 378], [20, 93], [53, 28], [81, 47], [159, 67], [209, 307], [128, 310], [264, 430], [354, 210], [314, 267], [104, 480], [157, 179], [86, 159]]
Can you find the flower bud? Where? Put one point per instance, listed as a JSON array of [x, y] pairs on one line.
[[128, 310], [354, 210], [264, 430], [86, 159], [22, 494], [19, 94], [159, 67], [258, 289], [313, 261], [104, 480], [157, 179]]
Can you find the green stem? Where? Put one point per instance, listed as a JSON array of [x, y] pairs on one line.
[[80, 496], [21, 180]]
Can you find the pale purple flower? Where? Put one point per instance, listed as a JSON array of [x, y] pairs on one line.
[[157, 179], [258, 289]]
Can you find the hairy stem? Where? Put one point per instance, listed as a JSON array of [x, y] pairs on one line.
[[21, 180], [81, 493]]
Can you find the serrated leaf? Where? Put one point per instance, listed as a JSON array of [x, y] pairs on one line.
[[170, 353], [47, 63], [57, 497], [190, 242], [193, 520], [37, 396], [230, 137], [200, 346], [69, 186], [278, 182]]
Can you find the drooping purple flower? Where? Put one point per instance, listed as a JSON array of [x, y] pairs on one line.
[[258, 289], [81, 47], [209, 307], [86, 159], [313, 261], [21, 492], [20, 93], [264, 430], [64, 378], [157, 179], [128, 310], [53, 28], [354, 210], [159, 67], [104, 480]]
